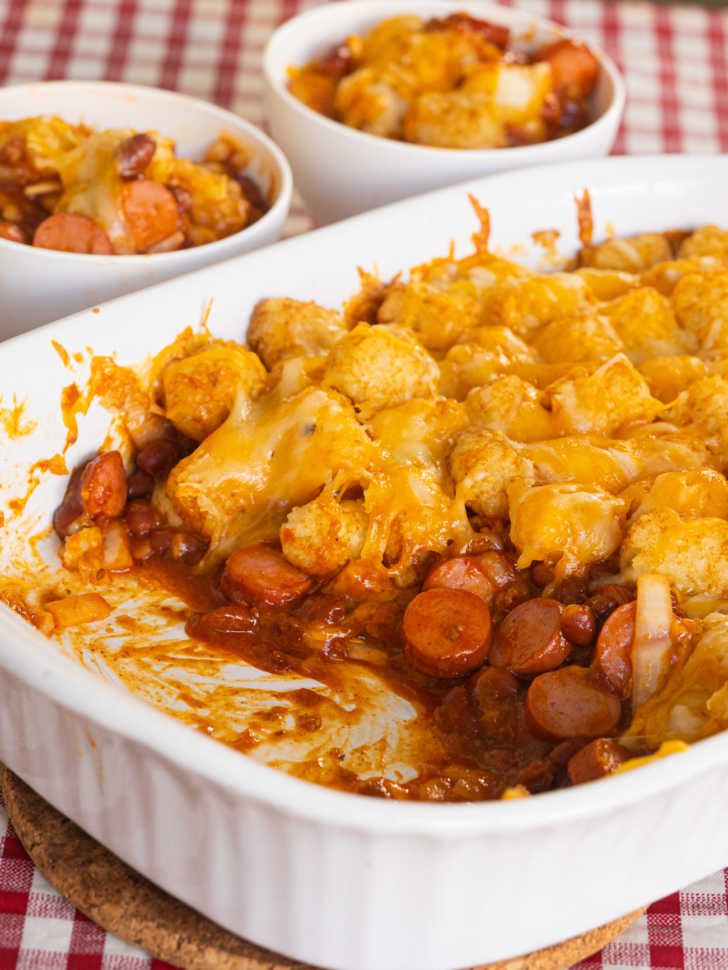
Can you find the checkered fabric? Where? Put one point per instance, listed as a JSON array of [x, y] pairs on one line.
[[676, 63]]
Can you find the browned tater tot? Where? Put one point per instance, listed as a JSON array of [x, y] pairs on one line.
[[261, 574], [574, 68], [447, 632], [71, 233], [596, 760], [11, 232], [103, 486], [529, 640], [613, 652], [571, 703], [150, 211]]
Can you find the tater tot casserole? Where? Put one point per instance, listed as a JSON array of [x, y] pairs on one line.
[[451, 82], [73, 188], [496, 493]]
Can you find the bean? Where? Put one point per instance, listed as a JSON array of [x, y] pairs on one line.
[[232, 619], [613, 653], [158, 457], [578, 624], [71, 233], [529, 639], [607, 598], [447, 632], [261, 574], [570, 703], [140, 484], [178, 544], [596, 760], [71, 508], [141, 517], [135, 154]]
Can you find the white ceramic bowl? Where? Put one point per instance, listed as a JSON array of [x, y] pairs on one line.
[[39, 285], [333, 879], [341, 171]]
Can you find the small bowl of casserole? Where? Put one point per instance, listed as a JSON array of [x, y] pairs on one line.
[[373, 101], [106, 188]]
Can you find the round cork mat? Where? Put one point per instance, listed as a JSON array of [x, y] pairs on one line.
[[121, 901]]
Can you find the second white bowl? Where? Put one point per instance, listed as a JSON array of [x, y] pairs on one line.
[[39, 285], [341, 171]]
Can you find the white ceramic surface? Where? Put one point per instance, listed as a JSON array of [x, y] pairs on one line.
[[341, 172], [338, 880], [38, 285]]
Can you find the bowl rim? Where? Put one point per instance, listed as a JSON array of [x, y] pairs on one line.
[[75, 689], [258, 139], [508, 15]]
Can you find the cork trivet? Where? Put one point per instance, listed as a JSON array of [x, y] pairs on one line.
[[121, 901]]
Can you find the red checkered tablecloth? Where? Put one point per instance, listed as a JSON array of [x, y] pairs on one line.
[[676, 63]]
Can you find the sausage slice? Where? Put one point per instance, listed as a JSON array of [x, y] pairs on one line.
[[613, 653], [71, 233], [261, 574], [571, 703], [529, 640], [461, 572], [596, 760], [447, 632], [150, 211]]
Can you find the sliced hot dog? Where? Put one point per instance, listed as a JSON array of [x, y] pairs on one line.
[[461, 572], [613, 653], [447, 632], [150, 211], [71, 233], [11, 232], [529, 640], [598, 759], [574, 68], [571, 703], [103, 486], [261, 574]]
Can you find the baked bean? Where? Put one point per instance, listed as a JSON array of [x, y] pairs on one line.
[[252, 192], [447, 632], [579, 624], [542, 573], [71, 508], [569, 703], [232, 619], [150, 211], [157, 458], [261, 574], [529, 639], [461, 572], [571, 590], [135, 153], [497, 696], [140, 484], [613, 653], [141, 517], [178, 544], [182, 197], [607, 598], [598, 759], [324, 608], [574, 69], [11, 232], [536, 776], [71, 233], [103, 486]]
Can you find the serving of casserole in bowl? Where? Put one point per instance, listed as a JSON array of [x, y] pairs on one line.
[[106, 188], [451, 534], [373, 102]]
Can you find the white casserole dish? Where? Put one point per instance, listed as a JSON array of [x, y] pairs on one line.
[[338, 880], [341, 171], [38, 285]]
